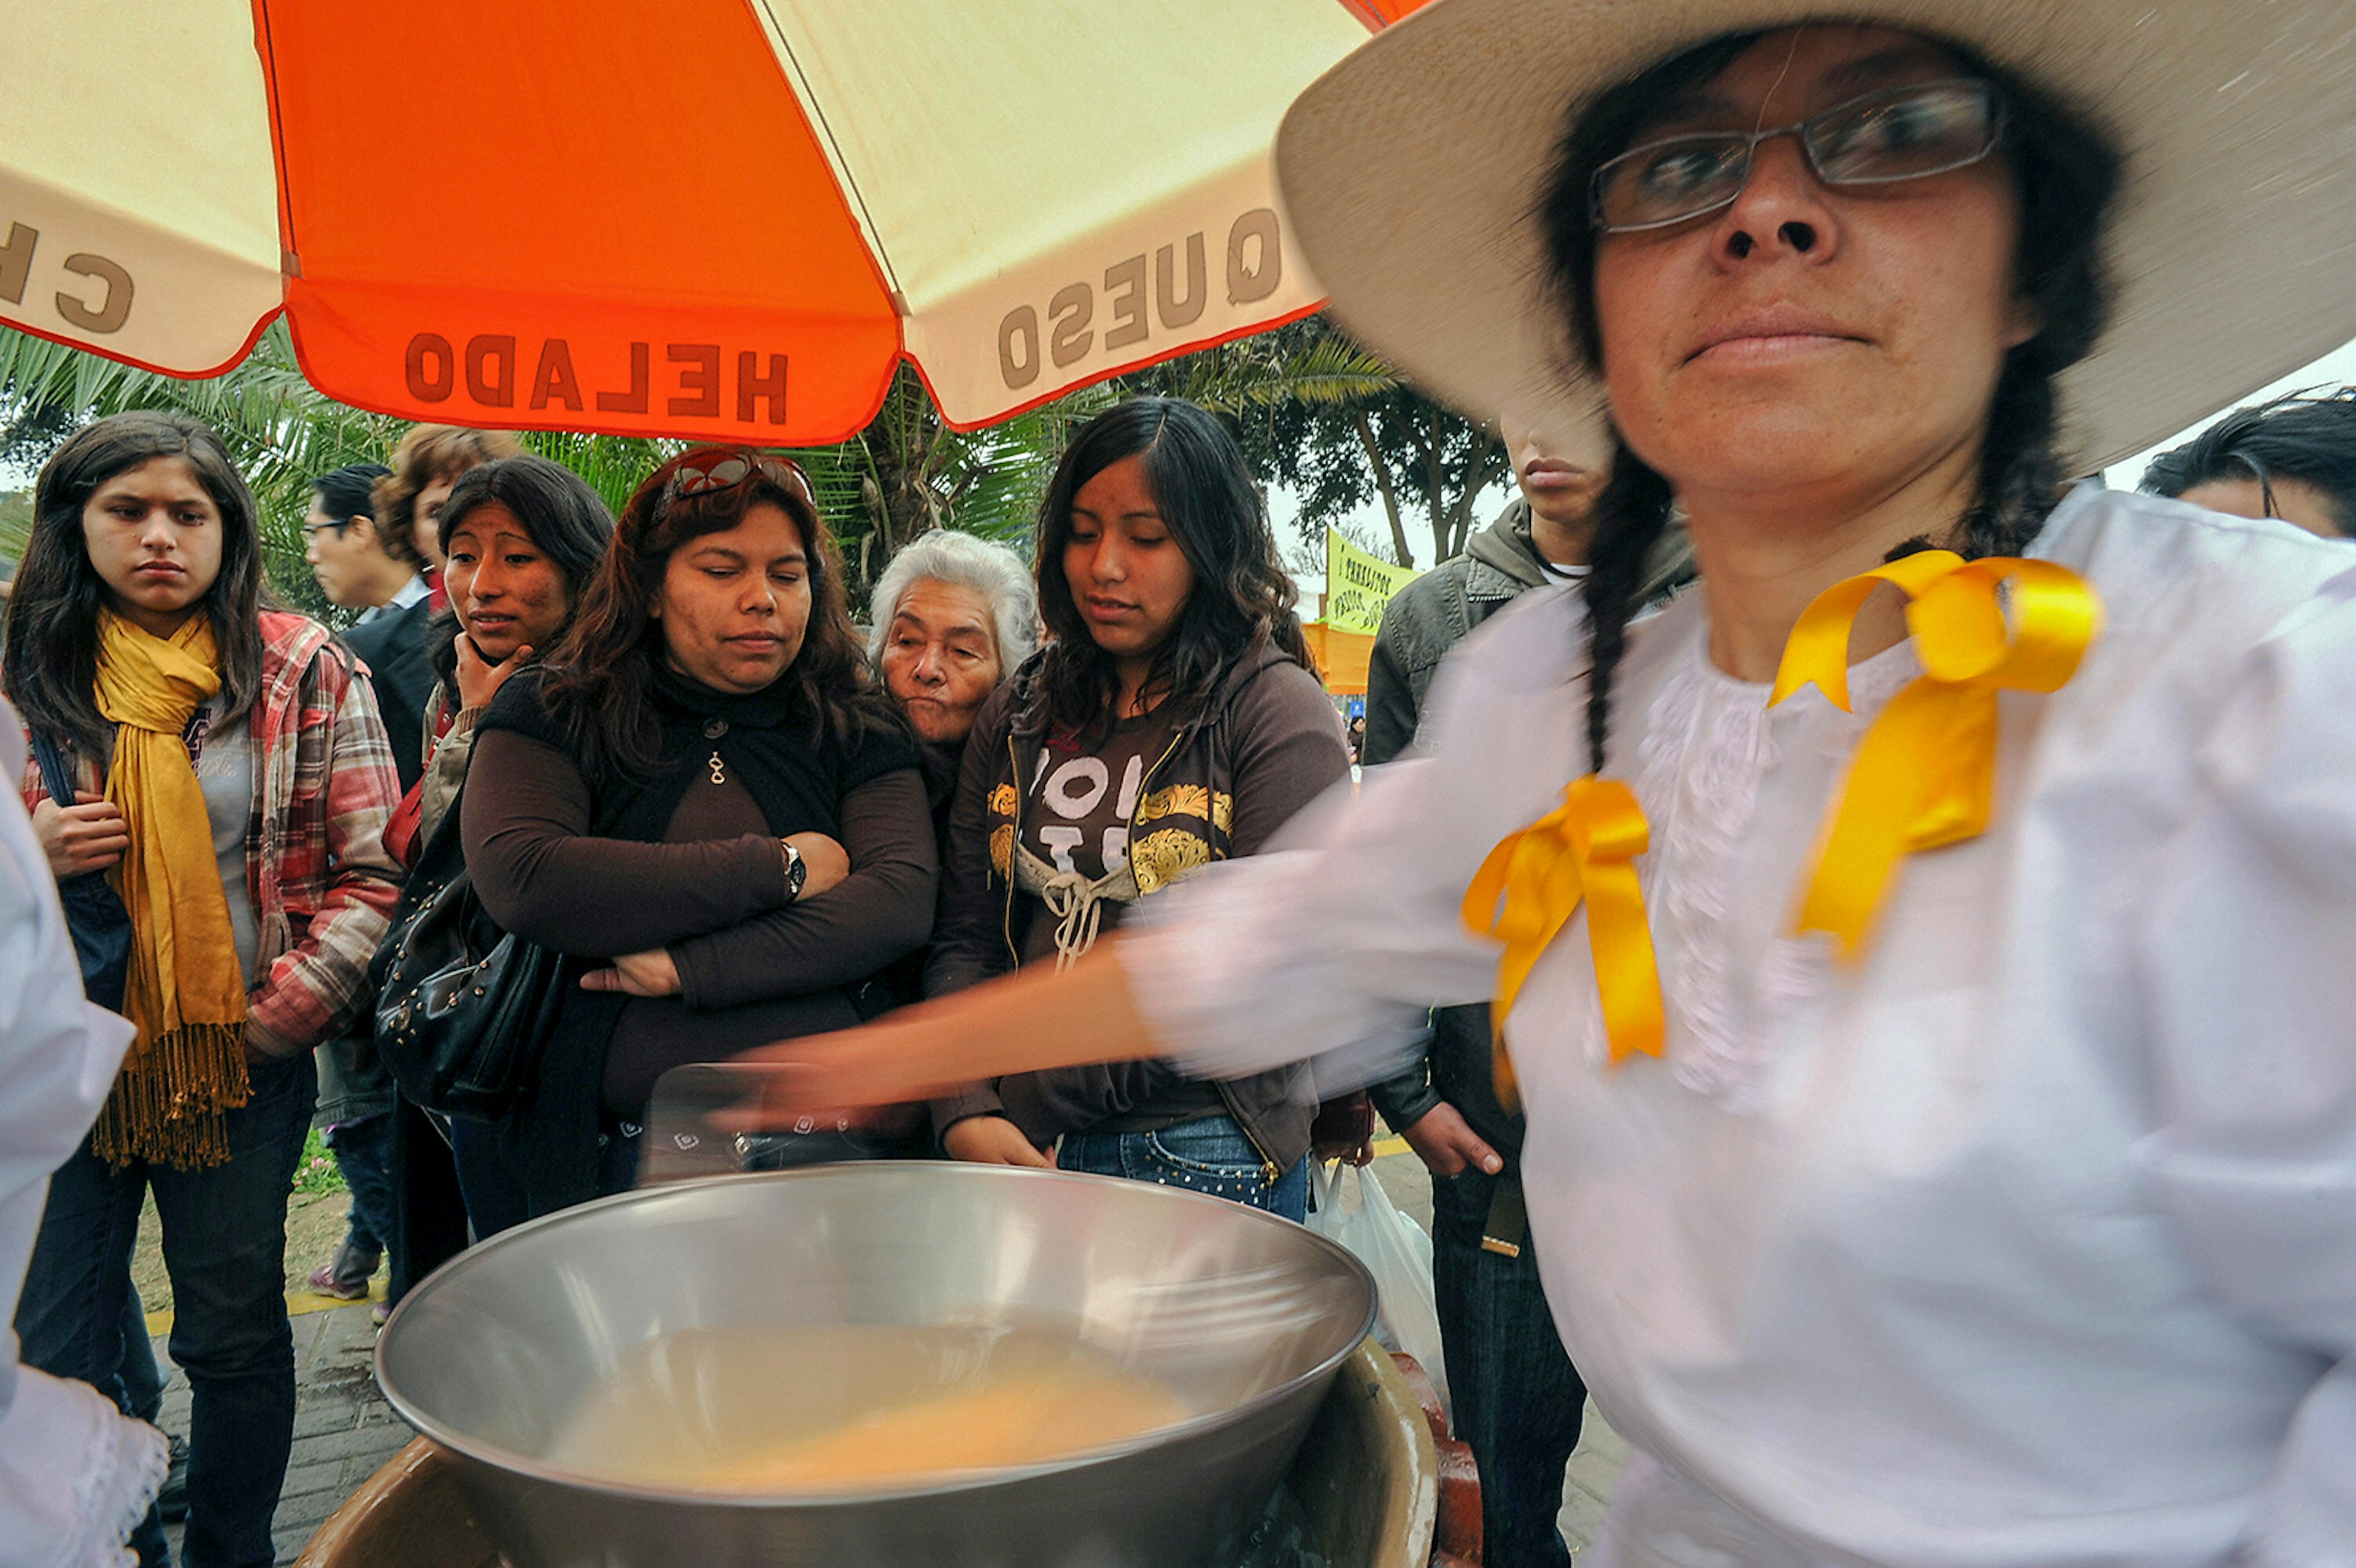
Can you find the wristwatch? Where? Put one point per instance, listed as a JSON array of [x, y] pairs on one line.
[[797, 869]]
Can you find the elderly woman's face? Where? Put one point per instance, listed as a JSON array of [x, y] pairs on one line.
[[940, 657], [1806, 338]]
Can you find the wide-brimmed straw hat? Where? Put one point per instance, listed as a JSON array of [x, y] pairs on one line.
[[1413, 171]]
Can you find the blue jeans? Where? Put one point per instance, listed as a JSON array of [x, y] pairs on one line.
[[143, 1379], [363, 1151], [1211, 1154], [225, 1249], [1518, 1399]]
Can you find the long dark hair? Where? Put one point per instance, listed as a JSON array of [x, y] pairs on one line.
[[48, 659], [566, 520], [1242, 598], [2066, 174], [600, 691]]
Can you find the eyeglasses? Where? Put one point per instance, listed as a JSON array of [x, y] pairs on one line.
[[313, 531], [1882, 138], [724, 470]]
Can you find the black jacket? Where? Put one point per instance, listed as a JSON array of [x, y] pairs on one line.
[[1422, 622], [1439, 609], [392, 646], [713, 903]]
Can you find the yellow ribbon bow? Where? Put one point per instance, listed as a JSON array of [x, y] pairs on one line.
[[1585, 849], [1925, 772]]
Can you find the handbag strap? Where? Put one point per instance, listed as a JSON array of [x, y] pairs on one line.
[[57, 776]]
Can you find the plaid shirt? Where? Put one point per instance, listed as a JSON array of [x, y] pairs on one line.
[[315, 869]]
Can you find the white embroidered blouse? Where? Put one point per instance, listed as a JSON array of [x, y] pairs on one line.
[[2030, 1238], [75, 1475]]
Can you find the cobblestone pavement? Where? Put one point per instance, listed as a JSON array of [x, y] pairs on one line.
[[343, 1429]]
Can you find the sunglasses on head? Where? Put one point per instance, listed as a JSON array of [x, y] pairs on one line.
[[1883, 138], [719, 471]]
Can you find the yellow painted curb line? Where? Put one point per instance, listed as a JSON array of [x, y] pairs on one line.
[[298, 1302], [1391, 1146]]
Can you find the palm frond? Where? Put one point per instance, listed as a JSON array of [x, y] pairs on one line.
[[612, 466], [905, 473], [279, 429], [16, 523]]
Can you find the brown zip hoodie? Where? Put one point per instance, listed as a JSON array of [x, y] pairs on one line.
[[1265, 746]]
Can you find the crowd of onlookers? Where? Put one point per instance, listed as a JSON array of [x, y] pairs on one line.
[[657, 748]]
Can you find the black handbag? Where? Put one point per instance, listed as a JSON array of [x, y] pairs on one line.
[[463, 1009], [94, 911]]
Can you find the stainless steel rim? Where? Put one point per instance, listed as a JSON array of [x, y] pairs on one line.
[[507, 1460]]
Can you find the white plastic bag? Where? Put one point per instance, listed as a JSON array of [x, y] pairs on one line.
[[1354, 1210]]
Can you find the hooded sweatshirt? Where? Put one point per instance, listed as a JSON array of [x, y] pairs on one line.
[[1219, 784]]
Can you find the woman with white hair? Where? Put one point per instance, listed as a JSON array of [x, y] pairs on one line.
[[954, 615]]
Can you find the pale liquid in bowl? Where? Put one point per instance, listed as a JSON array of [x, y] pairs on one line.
[[841, 1407]]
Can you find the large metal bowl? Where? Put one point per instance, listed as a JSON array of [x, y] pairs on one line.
[[1245, 1314]]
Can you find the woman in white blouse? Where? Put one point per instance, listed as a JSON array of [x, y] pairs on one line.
[[76, 1474], [1992, 1199]]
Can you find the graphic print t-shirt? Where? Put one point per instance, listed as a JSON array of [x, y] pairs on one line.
[[1079, 804], [1076, 814]]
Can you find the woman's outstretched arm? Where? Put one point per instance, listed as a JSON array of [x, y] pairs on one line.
[[1332, 946], [1024, 1022]]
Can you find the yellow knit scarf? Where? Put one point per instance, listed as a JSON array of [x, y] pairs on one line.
[[185, 990]]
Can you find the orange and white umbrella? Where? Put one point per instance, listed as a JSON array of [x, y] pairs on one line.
[[725, 218]]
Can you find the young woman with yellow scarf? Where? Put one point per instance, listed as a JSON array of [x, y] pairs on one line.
[[232, 781]]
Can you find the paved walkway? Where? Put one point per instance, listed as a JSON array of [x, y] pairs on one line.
[[343, 1429]]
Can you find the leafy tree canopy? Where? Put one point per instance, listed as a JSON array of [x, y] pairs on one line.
[[1320, 415], [1314, 411]]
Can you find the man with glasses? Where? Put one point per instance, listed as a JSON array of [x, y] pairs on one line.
[[346, 550]]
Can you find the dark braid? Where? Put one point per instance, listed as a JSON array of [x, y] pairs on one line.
[[1630, 514], [2021, 477]]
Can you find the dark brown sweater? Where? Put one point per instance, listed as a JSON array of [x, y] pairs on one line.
[[752, 967]]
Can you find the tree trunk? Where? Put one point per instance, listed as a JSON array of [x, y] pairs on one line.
[[1435, 481], [902, 443], [1384, 485], [1486, 467]]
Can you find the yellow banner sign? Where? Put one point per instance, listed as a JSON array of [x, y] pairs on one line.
[[1358, 585]]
